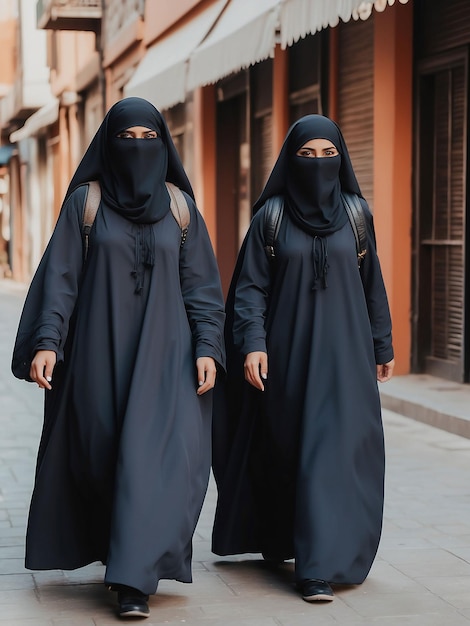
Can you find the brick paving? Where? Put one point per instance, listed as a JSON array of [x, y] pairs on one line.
[[421, 576]]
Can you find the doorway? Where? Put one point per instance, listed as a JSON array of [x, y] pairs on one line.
[[440, 319]]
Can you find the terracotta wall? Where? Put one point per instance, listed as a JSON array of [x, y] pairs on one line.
[[393, 148], [160, 15], [7, 46]]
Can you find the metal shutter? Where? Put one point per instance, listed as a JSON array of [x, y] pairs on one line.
[[356, 98]]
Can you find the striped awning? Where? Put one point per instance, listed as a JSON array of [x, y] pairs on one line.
[[247, 32], [230, 35]]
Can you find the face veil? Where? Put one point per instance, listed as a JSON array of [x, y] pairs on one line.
[[132, 172], [312, 186]]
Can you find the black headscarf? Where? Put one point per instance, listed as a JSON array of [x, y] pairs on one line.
[[132, 172], [312, 186]]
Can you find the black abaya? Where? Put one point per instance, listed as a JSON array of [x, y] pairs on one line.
[[300, 466], [124, 459]]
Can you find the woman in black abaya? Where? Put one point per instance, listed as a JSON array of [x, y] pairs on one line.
[[298, 448], [126, 345]]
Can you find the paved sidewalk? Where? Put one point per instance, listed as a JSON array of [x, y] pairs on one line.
[[421, 576]]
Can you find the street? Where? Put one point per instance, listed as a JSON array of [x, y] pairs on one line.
[[421, 576]]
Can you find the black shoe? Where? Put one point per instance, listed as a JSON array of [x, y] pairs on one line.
[[132, 603], [314, 590]]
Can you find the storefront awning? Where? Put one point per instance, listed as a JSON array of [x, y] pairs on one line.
[[303, 17], [161, 75], [230, 35], [46, 115], [244, 34], [248, 30]]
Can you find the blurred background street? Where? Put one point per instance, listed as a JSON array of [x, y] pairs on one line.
[[421, 576]]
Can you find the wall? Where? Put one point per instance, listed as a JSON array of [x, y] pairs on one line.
[[393, 150]]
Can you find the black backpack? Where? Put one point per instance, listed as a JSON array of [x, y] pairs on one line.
[[274, 209]]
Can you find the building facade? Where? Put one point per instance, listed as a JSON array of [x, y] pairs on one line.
[[232, 75]]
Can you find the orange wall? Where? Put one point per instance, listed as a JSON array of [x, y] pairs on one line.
[[160, 15], [280, 101], [74, 51], [204, 183], [393, 142], [7, 46]]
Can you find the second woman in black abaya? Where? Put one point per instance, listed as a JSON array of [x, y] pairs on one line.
[[124, 459], [300, 466]]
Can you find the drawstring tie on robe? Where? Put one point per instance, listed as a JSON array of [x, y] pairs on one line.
[[144, 255], [320, 261]]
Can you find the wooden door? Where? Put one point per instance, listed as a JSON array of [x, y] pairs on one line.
[[439, 316]]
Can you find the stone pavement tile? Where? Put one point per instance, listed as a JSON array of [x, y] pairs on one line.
[[397, 605], [163, 610], [33, 621], [454, 589], [16, 581], [279, 605], [462, 552], [429, 619], [89, 601], [74, 621], [421, 562], [384, 578], [11, 566], [49, 577], [20, 604]]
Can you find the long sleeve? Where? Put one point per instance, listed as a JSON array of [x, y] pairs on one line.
[[252, 291], [201, 289], [53, 291], [376, 298]]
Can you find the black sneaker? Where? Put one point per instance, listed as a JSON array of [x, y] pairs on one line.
[[132, 602], [315, 590]]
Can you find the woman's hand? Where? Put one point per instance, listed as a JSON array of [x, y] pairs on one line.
[[256, 369], [385, 371], [206, 372], [42, 367]]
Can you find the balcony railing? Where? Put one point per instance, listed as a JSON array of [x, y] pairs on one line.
[[68, 14]]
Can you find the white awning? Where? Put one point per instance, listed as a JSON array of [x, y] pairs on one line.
[[303, 17], [45, 116], [160, 77], [248, 30], [244, 34]]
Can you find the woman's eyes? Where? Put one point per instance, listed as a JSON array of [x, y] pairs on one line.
[[126, 135], [312, 154]]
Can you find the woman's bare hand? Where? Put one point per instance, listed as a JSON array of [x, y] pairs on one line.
[[206, 372], [42, 367], [256, 369], [385, 371]]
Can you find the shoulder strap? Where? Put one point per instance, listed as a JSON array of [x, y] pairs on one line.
[[273, 212], [178, 205], [274, 209], [179, 208], [92, 202], [357, 219]]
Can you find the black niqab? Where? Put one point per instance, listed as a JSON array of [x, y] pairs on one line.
[[312, 187], [132, 172]]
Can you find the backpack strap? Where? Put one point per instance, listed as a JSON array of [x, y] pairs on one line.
[[178, 205], [273, 212], [357, 219], [274, 209], [90, 209], [179, 208]]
